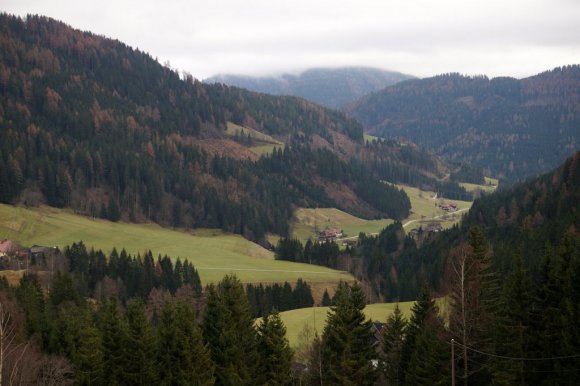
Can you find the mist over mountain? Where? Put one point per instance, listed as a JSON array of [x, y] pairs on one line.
[[330, 87], [513, 128]]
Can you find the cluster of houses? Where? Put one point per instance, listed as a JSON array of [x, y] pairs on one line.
[[329, 234], [433, 227], [448, 207], [16, 257]]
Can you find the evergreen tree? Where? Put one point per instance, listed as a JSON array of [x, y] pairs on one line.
[[88, 358], [115, 336], [228, 329], [113, 211], [569, 251], [140, 364], [78, 258], [393, 338], [289, 249], [425, 355], [30, 297], [63, 290], [422, 308], [274, 350], [73, 334], [326, 299], [347, 354], [429, 362], [302, 295], [553, 325], [182, 357], [513, 337]]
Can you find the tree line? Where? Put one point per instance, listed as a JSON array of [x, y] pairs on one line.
[[524, 332], [125, 276], [313, 252], [281, 297]]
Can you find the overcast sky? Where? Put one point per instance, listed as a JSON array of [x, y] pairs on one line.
[[260, 37]]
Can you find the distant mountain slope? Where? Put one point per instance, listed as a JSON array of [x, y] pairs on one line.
[[529, 220], [330, 87], [530, 215], [91, 124], [514, 128]]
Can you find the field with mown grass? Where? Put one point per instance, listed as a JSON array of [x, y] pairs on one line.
[[315, 317], [264, 143], [213, 252], [370, 138], [424, 209], [307, 220], [476, 187]]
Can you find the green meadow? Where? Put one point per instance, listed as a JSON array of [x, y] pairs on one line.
[[213, 252], [489, 186], [370, 138], [265, 144], [308, 220], [315, 317], [424, 209]]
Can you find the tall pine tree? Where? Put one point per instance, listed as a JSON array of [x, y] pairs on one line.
[[114, 334], [425, 354], [393, 338], [347, 354], [513, 337], [274, 350], [228, 329], [183, 359], [140, 365]]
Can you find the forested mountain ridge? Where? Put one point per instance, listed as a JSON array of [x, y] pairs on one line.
[[330, 87], [92, 124], [529, 216], [513, 128], [530, 221]]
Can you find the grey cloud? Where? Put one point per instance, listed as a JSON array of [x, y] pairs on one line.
[[421, 37]]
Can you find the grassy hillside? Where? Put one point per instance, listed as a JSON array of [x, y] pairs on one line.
[[261, 143], [307, 220], [213, 252], [424, 209], [315, 317]]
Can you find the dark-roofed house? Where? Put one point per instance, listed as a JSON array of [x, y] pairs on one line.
[[39, 250], [330, 234]]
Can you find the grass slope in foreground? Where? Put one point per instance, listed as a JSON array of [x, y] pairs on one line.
[[315, 317], [213, 252]]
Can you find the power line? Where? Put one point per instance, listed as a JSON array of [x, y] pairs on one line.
[[520, 358]]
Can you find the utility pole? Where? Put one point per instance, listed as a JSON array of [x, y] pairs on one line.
[[452, 362]]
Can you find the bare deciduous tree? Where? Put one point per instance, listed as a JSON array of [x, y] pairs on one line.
[[465, 314]]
